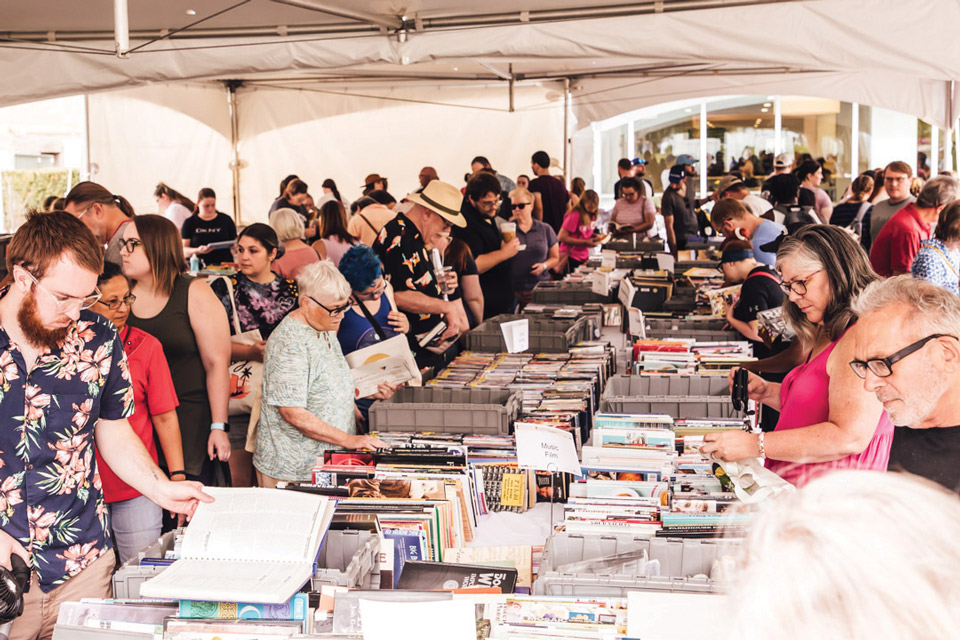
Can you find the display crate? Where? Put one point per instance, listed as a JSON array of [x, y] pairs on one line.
[[678, 396], [548, 336], [348, 558], [438, 409], [700, 335], [569, 293], [684, 265], [128, 578], [685, 564]]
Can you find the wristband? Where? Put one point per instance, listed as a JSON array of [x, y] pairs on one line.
[[220, 426], [175, 473], [763, 453]]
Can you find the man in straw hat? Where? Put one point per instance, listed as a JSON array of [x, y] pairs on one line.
[[402, 247]]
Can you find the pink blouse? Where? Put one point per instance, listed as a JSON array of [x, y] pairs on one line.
[[805, 401]]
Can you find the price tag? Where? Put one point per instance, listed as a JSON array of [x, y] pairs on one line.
[[665, 262], [627, 292], [516, 335], [600, 284], [636, 325], [608, 259]]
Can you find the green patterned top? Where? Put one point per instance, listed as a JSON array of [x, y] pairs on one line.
[[304, 368]]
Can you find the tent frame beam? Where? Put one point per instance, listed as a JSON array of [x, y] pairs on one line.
[[389, 22]]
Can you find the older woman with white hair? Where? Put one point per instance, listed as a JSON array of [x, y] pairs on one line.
[[307, 405], [855, 555], [297, 254]]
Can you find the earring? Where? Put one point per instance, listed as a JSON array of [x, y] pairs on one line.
[[738, 234]]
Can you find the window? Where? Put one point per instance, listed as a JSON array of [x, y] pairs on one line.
[[42, 161]]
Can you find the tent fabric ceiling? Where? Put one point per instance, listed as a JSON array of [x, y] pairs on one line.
[[869, 49]]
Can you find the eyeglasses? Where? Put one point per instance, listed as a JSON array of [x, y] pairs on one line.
[[892, 179], [130, 245], [883, 367], [519, 205], [798, 287], [84, 212], [371, 295], [113, 305], [488, 203], [65, 303], [335, 312]]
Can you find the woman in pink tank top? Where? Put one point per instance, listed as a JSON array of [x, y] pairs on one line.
[[827, 420]]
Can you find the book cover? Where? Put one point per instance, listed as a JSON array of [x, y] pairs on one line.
[[295, 609], [407, 545], [436, 575]]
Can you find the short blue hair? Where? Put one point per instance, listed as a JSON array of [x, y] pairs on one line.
[[361, 267]]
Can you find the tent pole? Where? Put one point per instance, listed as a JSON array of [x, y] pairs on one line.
[[86, 139], [234, 145], [566, 125], [511, 87], [121, 27]]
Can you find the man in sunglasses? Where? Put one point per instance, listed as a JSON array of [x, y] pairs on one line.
[[65, 392], [492, 252], [907, 352]]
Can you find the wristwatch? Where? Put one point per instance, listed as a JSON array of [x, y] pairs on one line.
[[220, 426]]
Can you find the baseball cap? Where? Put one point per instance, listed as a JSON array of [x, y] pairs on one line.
[[726, 182], [686, 158], [677, 174], [637, 161], [782, 161]]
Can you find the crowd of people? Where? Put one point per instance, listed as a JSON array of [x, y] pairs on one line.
[[182, 376]]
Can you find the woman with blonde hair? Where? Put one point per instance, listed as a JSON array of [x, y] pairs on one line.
[[296, 253], [540, 252], [576, 234], [827, 420]]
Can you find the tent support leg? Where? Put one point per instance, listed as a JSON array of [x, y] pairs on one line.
[[232, 86], [566, 128], [511, 87]]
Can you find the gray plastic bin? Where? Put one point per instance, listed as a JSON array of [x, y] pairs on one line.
[[130, 575], [685, 564], [473, 411], [700, 335], [679, 325], [677, 396], [349, 558], [685, 265], [548, 336], [568, 293]]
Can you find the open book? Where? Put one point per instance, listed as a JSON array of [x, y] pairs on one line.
[[250, 545]]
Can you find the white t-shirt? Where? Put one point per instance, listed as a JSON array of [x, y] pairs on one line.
[[177, 214], [757, 205]]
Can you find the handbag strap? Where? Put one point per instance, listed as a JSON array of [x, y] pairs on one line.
[[372, 228], [862, 211], [371, 319], [945, 258], [233, 304]]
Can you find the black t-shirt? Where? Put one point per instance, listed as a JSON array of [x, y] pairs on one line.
[[759, 292], [684, 219], [554, 197], [931, 453], [200, 232], [483, 236]]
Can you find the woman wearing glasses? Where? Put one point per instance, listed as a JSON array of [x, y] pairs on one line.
[[261, 299], [307, 405], [185, 316], [539, 249], [373, 316], [827, 420], [135, 520]]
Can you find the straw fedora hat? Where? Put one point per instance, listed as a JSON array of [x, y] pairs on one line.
[[443, 199]]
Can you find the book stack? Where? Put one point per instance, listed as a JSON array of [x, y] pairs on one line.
[[688, 357]]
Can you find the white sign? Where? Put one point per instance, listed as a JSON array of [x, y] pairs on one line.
[[663, 615], [546, 449], [627, 292], [666, 262], [608, 259], [636, 325], [516, 335], [600, 283], [449, 620]]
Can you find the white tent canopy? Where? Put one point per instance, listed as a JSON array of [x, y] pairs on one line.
[[341, 71]]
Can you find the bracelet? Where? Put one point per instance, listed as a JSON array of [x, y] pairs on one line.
[[760, 448], [175, 473], [220, 426]]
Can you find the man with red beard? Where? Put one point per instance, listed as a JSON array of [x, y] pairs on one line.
[[65, 389]]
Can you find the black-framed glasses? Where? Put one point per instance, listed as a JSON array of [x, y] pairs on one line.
[[335, 312], [113, 305], [883, 367], [519, 205], [798, 287], [130, 245]]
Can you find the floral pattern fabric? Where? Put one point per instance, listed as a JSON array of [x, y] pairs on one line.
[[259, 306], [51, 498], [939, 264]]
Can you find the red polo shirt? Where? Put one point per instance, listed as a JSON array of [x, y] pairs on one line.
[[899, 241]]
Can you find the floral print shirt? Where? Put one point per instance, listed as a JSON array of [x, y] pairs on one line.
[[50, 493], [259, 306]]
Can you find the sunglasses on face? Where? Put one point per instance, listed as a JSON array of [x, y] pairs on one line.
[[519, 205], [883, 367]]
